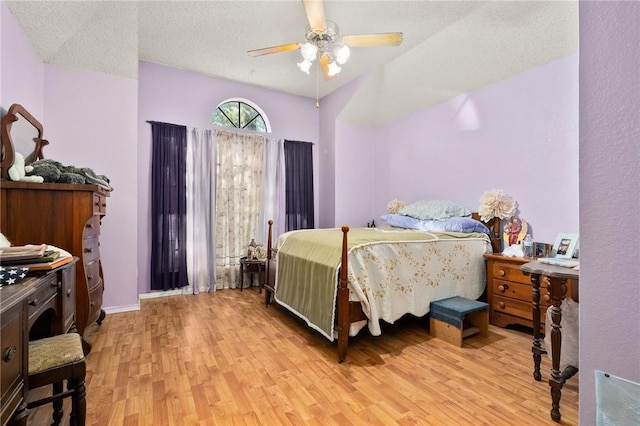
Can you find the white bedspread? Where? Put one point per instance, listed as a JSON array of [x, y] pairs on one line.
[[391, 279]]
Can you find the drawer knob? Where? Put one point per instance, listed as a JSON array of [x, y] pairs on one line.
[[546, 298], [501, 272], [503, 287], [68, 292], [33, 302], [501, 304], [9, 353]]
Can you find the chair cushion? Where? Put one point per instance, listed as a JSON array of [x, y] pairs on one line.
[[52, 352]]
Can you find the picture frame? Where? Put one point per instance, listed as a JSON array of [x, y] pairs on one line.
[[541, 249], [565, 246]]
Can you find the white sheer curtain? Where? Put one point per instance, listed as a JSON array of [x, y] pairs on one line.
[[274, 188], [240, 162], [201, 212]]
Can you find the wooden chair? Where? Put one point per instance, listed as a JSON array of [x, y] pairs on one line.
[[53, 360]]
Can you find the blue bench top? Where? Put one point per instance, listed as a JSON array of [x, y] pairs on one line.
[[459, 305]]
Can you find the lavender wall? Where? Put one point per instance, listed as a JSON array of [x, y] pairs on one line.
[[500, 136], [181, 97], [22, 75], [609, 195], [330, 108], [354, 175], [92, 122]]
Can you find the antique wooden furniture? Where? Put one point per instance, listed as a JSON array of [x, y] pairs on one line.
[[66, 216], [52, 360], [454, 318], [347, 312], [251, 268], [39, 305], [509, 292], [22, 133], [556, 280]]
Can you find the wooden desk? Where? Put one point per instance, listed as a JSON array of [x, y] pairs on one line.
[[40, 305], [252, 267], [556, 283]]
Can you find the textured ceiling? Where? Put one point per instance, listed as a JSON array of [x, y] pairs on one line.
[[449, 47]]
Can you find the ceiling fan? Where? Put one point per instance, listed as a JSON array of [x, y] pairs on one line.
[[325, 43]]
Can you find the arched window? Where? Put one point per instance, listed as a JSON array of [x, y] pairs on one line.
[[241, 114]]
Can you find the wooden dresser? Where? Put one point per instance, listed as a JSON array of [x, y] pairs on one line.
[[509, 292], [41, 305], [66, 216]]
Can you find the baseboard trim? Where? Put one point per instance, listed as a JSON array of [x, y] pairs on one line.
[[160, 294], [120, 309], [136, 307]]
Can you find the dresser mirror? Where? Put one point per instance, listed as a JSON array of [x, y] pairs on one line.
[[21, 133]]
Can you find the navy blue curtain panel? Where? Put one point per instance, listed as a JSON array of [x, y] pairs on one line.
[[298, 163], [168, 206]]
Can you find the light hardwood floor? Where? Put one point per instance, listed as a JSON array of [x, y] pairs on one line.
[[225, 359]]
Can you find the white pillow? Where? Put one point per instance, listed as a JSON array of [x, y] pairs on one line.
[[435, 210]]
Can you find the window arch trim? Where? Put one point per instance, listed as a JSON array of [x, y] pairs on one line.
[[253, 105]]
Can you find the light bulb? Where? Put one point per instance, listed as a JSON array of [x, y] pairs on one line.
[[342, 54], [309, 51], [333, 69], [305, 66]]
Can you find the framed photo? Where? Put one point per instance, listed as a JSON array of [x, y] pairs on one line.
[[541, 249], [565, 246]]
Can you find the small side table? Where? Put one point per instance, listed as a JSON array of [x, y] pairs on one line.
[[555, 279], [252, 267]]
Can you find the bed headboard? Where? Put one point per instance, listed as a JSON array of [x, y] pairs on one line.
[[494, 227]]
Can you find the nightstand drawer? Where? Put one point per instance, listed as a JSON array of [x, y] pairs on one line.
[[509, 272], [512, 289], [513, 307]]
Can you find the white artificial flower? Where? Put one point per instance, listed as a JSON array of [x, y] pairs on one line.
[[394, 206], [495, 203]]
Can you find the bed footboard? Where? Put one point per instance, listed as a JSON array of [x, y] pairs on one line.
[[345, 310]]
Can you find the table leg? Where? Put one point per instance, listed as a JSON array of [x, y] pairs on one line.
[[261, 273], [557, 288], [537, 348], [241, 276]]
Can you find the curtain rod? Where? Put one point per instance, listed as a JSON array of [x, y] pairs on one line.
[[182, 125], [162, 122]]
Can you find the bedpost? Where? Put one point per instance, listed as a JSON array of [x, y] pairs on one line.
[[343, 300], [269, 287], [496, 240]]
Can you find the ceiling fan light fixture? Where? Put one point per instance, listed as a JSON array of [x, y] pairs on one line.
[[309, 51], [342, 53], [333, 69], [305, 66]]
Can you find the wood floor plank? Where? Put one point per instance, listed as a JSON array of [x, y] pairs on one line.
[[226, 359]]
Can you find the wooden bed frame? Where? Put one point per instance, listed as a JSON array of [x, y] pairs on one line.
[[347, 311]]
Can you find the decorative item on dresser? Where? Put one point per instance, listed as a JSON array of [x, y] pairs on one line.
[[67, 216], [509, 292]]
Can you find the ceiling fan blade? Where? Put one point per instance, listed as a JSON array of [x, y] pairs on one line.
[[274, 49], [315, 15], [365, 40], [324, 64]]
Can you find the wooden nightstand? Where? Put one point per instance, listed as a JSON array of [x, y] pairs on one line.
[[509, 292], [252, 267]]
